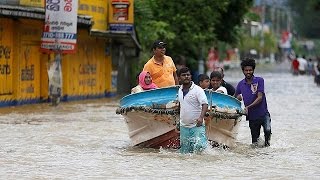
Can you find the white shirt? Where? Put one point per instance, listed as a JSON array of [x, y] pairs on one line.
[[136, 89], [315, 68], [223, 89], [191, 105], [302, 64]]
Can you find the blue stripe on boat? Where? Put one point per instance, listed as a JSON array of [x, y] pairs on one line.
[[165, 95]]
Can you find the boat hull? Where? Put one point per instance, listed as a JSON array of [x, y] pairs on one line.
[[222, 131], [151, 118], [151, 130]]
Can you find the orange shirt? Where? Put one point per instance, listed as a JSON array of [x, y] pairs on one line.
[[162, 74]]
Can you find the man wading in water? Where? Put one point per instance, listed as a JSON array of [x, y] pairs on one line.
[[252, 90]]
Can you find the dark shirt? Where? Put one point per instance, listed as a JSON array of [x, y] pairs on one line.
[[229, 87], [250, 93]]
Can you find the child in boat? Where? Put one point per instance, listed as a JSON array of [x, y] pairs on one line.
[[204, 81], [230, 89], [215, 81], [145, 83]]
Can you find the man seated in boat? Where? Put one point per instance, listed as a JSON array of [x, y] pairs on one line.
[[215, 81], [145, 83], [161, 67]]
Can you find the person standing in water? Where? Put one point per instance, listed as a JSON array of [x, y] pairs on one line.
[[193, 106], [253, 94]]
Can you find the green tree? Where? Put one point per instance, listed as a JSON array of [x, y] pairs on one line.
[[306, 15], [189, 27], [230, 20]]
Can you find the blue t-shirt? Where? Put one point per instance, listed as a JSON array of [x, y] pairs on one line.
[[250, 93]]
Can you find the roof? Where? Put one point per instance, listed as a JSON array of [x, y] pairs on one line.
[[35, 13], [127, 38]]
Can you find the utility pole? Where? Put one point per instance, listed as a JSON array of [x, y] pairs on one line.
[[272, 13], [288, 20], [262, 28], [278, 21]]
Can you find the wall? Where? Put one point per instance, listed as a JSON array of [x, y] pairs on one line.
[[87, 73], [6, 59], [89, 69], [27, 60], [98, 10]]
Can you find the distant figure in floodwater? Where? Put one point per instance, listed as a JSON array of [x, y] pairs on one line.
[[302, 65], [295, 66], [317, 72], [204, 81], [145, 83], [310, 67]]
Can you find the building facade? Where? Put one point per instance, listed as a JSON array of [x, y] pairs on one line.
[[105, 41]]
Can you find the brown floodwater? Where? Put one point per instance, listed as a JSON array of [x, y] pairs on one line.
[[88, 140]]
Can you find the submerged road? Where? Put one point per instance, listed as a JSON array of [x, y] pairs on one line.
[[88, 140]]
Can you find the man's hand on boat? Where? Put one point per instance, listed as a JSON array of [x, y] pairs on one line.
[[177, 129], [199, 121], [245, 110]]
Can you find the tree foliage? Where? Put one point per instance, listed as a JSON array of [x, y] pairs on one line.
[[231, 19], [306, 15], [188, 26]]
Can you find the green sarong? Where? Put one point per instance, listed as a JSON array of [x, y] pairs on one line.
[[192, 140]]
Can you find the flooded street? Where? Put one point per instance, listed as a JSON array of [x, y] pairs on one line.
[[88, 140]]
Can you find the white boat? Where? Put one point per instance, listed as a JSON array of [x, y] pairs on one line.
[[151, 118]]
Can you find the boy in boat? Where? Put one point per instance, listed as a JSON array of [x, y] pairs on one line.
[[193, 106], [204, 81], [230, 89], [252, 90], [216, 80]]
